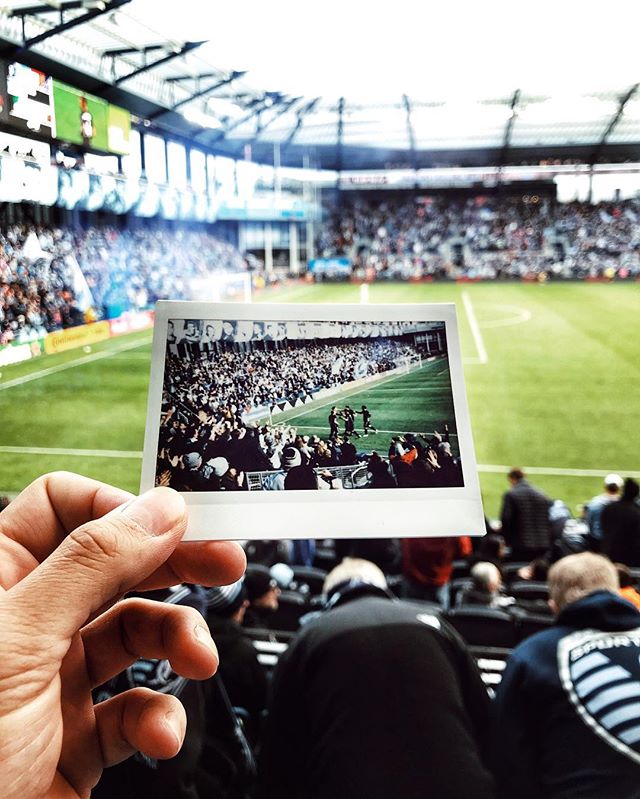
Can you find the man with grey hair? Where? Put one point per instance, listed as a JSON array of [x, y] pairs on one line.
[[567, 715], [375, 698]]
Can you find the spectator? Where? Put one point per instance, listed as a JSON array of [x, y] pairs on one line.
[[485, 588], [627, 589], [566, 711], [262, 593], [612, 486], [374, 698], [525, 518], [621, 526], [242, 675], [427, 565], [491, 549], [537, 571]]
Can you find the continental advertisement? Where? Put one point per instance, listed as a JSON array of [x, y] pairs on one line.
[[72, 337]]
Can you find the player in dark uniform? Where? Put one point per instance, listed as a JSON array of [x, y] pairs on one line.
[[349, 416], [366, 420], [333, 423]]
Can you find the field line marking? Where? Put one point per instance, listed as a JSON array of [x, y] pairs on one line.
[[475, 328], [80, 453], [553, 471], [550, 471], [61, 367]]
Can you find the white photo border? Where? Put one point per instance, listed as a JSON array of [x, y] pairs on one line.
[[370, 513]]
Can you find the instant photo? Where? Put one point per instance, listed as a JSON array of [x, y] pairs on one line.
[[308, 421]]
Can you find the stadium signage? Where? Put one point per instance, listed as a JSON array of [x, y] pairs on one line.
[[72, 337], [131, 322], [15, 353]]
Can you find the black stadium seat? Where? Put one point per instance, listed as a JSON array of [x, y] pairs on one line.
[[528, 590], [460, 568], [291, 607], [311, 576], [484, 626], [510, 570], [531, 623]]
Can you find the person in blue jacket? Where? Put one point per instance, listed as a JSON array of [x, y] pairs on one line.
[[567, 712]]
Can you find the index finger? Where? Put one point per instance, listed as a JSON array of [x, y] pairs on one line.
[[48, 509]]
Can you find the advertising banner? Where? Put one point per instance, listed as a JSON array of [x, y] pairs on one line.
[[72, 337], [29, 100], [131, 322], [14, 353]]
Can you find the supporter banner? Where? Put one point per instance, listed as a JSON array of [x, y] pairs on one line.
[[131, 322], [72, 337]]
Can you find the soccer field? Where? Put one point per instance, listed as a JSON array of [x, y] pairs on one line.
[[552, 371]]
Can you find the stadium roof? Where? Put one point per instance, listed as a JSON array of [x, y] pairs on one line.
[[354, 86]]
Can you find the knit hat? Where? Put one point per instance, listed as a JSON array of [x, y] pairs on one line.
[[291, 457], [258, 581], [224, 600], [193, 460], [219, 465]]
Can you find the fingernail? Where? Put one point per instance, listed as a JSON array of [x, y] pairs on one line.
[[204, 637], [158, 510], [174, 724]]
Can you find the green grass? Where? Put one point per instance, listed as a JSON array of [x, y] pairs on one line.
[[419, 401], [559, 390]]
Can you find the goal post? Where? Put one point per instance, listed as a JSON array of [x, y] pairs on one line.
[[222, 287]]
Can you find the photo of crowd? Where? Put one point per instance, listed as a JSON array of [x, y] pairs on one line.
[[229, 384]]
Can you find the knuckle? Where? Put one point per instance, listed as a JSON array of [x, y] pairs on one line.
[[95, 542]]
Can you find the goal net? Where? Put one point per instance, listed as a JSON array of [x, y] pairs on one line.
[[223, 287]]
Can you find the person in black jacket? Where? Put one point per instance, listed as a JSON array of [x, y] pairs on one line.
[[567, 715], [375, 698], [525, 518], [621, 526], [244, 678]]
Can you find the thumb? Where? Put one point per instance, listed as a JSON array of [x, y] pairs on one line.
[[98, 561]]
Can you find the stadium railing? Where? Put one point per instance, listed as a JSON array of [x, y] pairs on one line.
[[355, 476]]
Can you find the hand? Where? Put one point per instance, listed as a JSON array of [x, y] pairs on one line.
[[70, 547]]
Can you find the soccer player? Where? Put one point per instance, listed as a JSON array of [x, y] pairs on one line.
[[366, 420], [333, 423], [349, 416]]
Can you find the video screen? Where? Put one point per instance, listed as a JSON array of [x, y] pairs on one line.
[[29, 105], [80, 118]]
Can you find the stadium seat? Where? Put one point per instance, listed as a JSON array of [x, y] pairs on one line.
[[455, 587], [528, 590], [311, 576], [291, 607], [460, 569], [510, 571], [484, 626], [531, 623]]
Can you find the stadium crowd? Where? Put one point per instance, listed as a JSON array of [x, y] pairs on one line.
[[484, 237], [45, 273]]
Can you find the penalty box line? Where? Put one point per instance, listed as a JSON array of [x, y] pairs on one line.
[[475, 328]]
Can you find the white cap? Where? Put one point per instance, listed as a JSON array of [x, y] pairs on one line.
[[614, 480]]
